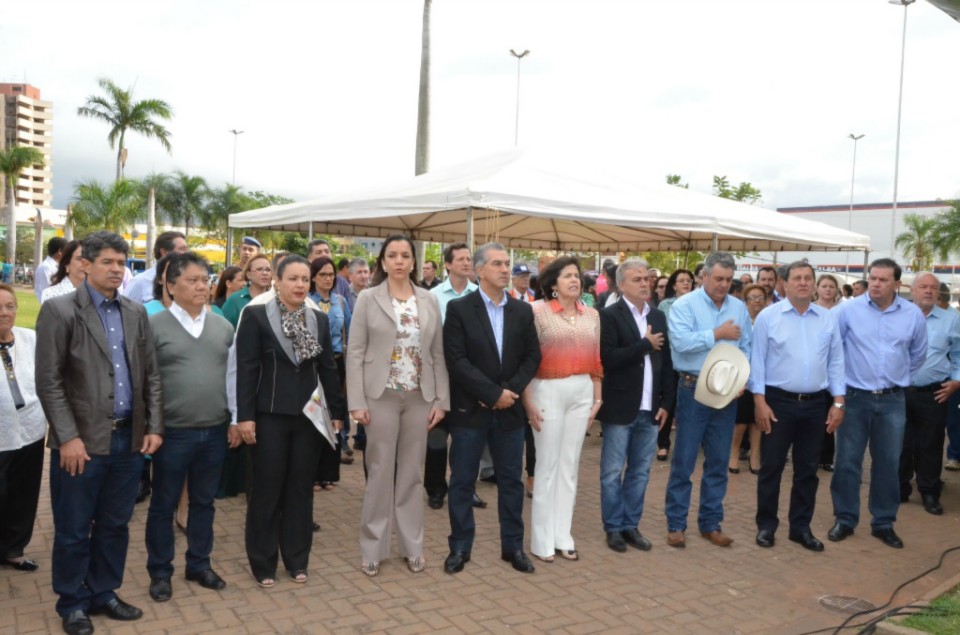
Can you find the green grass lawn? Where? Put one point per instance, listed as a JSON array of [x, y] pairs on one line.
[[943, 617], [28, 307]]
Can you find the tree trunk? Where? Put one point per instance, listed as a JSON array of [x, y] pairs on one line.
[[12, 225], [37, 242], [151, 224], [423, 106], [68, 224], [120, 163]]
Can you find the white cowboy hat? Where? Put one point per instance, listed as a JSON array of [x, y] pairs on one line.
[[723, 376]]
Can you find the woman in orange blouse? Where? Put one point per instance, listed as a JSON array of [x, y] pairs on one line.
[[561, 402]]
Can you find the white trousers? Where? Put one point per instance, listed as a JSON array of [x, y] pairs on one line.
[[565, 406]]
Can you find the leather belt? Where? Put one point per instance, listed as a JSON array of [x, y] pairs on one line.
[[689, 376], [880, 391], [928, 388], [119, 424], [794, 396]]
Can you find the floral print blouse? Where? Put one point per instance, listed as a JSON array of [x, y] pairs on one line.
[[406, 362]]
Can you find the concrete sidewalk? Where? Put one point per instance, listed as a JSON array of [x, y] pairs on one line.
[[700, 589]]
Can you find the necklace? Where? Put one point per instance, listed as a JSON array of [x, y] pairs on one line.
[[571, 319]]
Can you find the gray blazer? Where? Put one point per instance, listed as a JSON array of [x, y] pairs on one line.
[[373, 333], [75, 376]]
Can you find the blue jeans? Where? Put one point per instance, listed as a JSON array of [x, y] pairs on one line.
[[699, 425], [466, 446], [877, 420], [953, 427], [621, 497], [90, 516], [194, 456]]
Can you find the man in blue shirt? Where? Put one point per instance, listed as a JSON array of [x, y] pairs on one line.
[[930, 389], [697, 322], [796, 365], [884, 342]]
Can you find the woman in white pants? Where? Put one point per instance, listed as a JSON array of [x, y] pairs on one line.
[[561, 402]]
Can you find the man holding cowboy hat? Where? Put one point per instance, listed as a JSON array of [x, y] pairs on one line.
[[709, 340]]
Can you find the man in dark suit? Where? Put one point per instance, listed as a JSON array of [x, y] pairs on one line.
[[492, 352], [638, 395], [99, 385]]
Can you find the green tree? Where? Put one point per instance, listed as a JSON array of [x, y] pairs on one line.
[[674, 179], [917, 243], [113, 207], [946, 235], [118, 109], [24, 244], [745, 192], [12, 162], [183, 197]]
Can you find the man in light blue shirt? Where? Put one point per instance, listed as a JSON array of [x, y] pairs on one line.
[[140, 288], [884, 342], [796, 366], [926, 398], [698, 321]]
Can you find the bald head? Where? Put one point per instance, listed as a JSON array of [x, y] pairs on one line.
[[925, 291]]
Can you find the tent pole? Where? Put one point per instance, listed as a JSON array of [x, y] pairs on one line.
[[229, 259], [310, 232], [715, 243], [470, 228], [866, 260]]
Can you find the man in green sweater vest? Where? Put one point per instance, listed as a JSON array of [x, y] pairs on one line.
[[193, 345]]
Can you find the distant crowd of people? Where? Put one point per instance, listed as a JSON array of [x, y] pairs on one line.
[[171, 387]]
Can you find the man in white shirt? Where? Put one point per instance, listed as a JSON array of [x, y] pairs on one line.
[[47, 268], [141, 288]]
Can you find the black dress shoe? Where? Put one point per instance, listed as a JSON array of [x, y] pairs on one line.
[[207, 579], [435, 501], [24, 565], [478, 502], [490, 479], [117, 609], [519, 560], [77, 623], [316, 527], [616, 542], [636, 540], [931, 503], [765, 538], [160, 589], [888, 537], [839, 532], [807, 541], [455, 561], [826, 467]]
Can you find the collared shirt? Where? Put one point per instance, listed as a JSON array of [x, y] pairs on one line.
[[109, 312], [881, 349], [351, 297], [796, 353], [690, 325], [445, 292], [640, 317], [140, 288], [43, 275], [526, 296], [495, 313], [194, 326], [943, 349]]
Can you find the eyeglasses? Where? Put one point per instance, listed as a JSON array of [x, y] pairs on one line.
[[756, 298]]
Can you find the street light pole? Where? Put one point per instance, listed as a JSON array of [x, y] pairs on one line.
[[516, 127], [853, 177], [235, 133], [896, 161]]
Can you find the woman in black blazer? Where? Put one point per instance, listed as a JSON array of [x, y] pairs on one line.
[[283, 352]]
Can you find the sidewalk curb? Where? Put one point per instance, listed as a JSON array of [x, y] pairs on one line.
[[893, 626]]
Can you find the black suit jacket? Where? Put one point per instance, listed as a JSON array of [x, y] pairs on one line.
[[622, 351], [270, 381], [477, 376]]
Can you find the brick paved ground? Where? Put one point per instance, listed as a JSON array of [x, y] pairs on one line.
[[702, 589]]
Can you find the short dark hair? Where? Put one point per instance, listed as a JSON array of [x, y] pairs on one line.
[[98, 241], [798, 264], [431, 262], [165, 243], [162, 265], [886, 263], [860, 283], [452, 247], [314, 243], [548, 275], [696, 271], [68, 252], [379, 274], [181, 262], [782, 272], [315, 268], [736, 286], [55, 246], [767, 268], [291, 259], [343, 263], [672, 282]]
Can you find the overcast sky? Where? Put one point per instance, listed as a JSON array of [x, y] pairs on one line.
[[764, 91]]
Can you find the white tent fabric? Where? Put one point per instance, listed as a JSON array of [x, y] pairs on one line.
[[528, 202]]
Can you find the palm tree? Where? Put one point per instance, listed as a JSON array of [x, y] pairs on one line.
[[151, 184], [222, 202], [112, 207], [119, 110], [946, 235], [917, 243], [12, 162], [183, 198]]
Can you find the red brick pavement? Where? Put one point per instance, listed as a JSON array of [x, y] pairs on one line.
[[701, 589]]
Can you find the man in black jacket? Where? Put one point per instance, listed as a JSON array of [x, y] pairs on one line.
[[492, 352], [638, 394]]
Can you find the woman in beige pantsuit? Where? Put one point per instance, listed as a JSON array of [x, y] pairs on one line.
[[399, 390]]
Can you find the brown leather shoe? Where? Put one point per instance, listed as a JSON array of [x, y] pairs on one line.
[[676, 539], [718, 538]]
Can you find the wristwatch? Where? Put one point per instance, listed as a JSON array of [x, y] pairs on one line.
[[839, 406]]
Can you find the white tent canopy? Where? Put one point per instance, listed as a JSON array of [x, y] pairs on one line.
[[526, 202]]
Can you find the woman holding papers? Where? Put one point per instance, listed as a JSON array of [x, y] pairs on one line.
[[283, 354], [399, 390]]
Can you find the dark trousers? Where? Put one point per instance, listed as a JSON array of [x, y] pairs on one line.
[[923, 439], [20, 473], [280, 508], [799, 424], [663, 435], [530, 449], [90, 516], [194, 456], [435, 465], [506, 447]]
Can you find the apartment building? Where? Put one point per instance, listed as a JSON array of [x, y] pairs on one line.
[[26, 120]]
